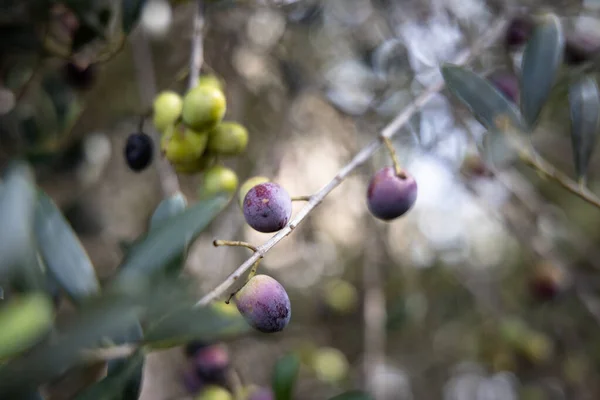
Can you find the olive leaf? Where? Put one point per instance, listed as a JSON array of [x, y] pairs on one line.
[[284, 376], [486, 102], [353, 395], [121, 383], [130, 12], [584, 102], [63, 254], [541, 62], [17, 209], [99, 318], [168, 208], [156, 250], [183, 324]]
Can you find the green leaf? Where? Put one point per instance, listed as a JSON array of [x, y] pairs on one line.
[[541, 62], [63, 254], [584, 101], [99, 319], [168, 208], [17, 208], [63, 98], [353, 395], [117, 383], [131, 11], [485, 101], [497, 152], [187, 323], [284, 376], [24, 321], [162, 246], [133, 384]]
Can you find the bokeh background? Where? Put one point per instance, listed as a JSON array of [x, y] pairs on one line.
[[487, 289]]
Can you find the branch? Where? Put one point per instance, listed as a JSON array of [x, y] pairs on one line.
[[197, 51], [362, 156]]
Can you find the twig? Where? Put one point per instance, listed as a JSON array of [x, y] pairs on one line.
[[108, 353], [142, 57], [197, 53], [237, 243], [362, 156]]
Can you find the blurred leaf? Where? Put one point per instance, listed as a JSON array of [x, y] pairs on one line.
[[159, 248], [497, 152], [541, 62], [102, 318], [353, 395], [485, 102], [184, 324], [117, 383], [17, 208], [131, 11], [19, 38], [125, 245], [584, 101], [133, 385], [168, 208], [64, 100], [62, 251], [284, 376], [33, 395], [24, 320]]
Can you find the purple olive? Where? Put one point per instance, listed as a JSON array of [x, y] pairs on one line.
[[211, 363], [507, 84], [390, 196], [261, 394], [267, 207], [518, 31], [264, 304], [579, 49], [193, 384]]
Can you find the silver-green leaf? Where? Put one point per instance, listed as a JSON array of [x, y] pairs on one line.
[[63, 254], [541, 62], [486, 102], [285, 373], [157, 250], [168, 208], [584, 102], [17, 205]]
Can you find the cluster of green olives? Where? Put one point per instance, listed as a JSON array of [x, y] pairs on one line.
[[194, 135]]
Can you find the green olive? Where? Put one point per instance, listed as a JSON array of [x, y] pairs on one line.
[[249, 184], [183, 145], [213, 392], [203, 108], [196, 166], [228, 139], [218, 179], [210, 81], [167, 109]]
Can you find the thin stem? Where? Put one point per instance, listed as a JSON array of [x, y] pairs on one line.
[[390, 148], [109, 353], [361, 157], [301, 198], [237, 243], [253, 270], [197, 53]]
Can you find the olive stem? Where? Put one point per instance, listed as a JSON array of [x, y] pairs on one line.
[[197, 53], [392, 150], [301, 198], [236, 243], [359, 159], [253, 270]]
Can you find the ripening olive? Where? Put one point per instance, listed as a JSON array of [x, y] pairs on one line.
[[390, 195], [249, 184]]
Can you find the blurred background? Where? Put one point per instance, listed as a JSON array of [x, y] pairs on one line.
[[487, 289]]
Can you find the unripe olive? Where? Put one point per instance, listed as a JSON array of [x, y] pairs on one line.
[[195, 166], [228, 139], [183, 145], [213, 392], [210, 81], [203, 108], [218, 179], [330, 365], [249, 184], [167, 109]]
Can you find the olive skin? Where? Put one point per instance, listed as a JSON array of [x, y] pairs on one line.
[[389, 195]]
